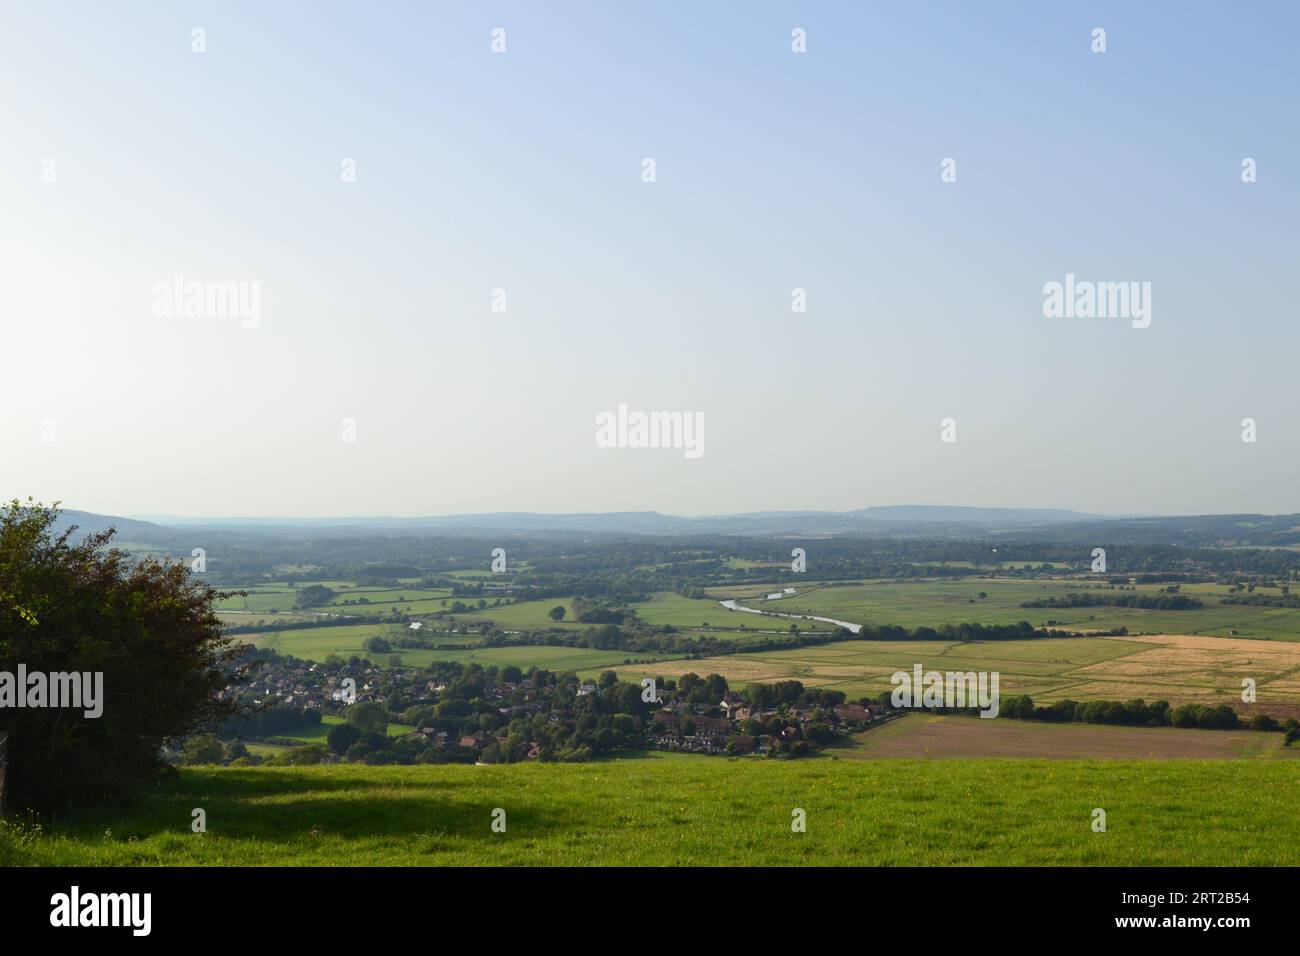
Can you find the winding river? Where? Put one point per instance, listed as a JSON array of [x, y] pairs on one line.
[[734, 605]]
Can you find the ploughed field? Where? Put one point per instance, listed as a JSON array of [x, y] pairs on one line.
[[699, 810], [946, 736]]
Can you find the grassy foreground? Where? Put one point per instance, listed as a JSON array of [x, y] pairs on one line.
[[666, 810]]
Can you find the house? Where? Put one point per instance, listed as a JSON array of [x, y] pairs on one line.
[[731, 703], [712, 725], [742, 743], [853, 713], [587, 689]]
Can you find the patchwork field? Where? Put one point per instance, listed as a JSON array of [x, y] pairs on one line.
[[279, 601], [317, 644], [1164, 656], [945, 737], [931, 603], [699, 811], [1176, 668]]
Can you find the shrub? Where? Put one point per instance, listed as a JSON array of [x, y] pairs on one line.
[[147, 626]]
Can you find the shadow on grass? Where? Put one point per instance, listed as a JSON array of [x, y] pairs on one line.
[[621, 755], [291, 805]]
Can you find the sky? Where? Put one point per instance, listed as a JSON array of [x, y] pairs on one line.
[[377, 374]]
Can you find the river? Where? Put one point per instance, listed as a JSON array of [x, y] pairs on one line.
[[734, 605]]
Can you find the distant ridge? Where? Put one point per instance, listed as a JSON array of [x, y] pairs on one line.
[[982, 515], [128, 529], [654, 520], [890, 521]]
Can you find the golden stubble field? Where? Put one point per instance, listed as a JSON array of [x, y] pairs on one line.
[[1173, 667]]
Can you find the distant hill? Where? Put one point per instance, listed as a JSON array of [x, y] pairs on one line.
[[892, 521], [128, 529], [993, 516]]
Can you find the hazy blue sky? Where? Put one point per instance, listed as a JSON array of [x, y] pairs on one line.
[[522, 171]]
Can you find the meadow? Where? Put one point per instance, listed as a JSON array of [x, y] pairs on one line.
[[346, 640], [658, 810], [930, 603], [278, 601], [317, 644]]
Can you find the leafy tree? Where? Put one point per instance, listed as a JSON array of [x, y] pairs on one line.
[[605, 637], [295, 756], [341, 737], [557, 613], [314, 595], [76, 605], [203, 749], [236, 750], [368, 717]]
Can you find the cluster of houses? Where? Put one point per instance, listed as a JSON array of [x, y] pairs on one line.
[[732, 725], [290, 682], [692, 728]]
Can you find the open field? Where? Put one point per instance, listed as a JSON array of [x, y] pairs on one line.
[[700, 811], [931, 603], [1176, 668], [279, 600], [317, 734], [1150, 663], [317, 644], [936, 736], [535, 655], [665, 607]]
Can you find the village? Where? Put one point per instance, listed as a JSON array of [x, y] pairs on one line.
[[468, 713]]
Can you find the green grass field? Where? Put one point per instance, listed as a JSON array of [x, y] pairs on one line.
[[280, 597], [701, 811], [665, 607], [931, 603], [317, 644], [317, 734]]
